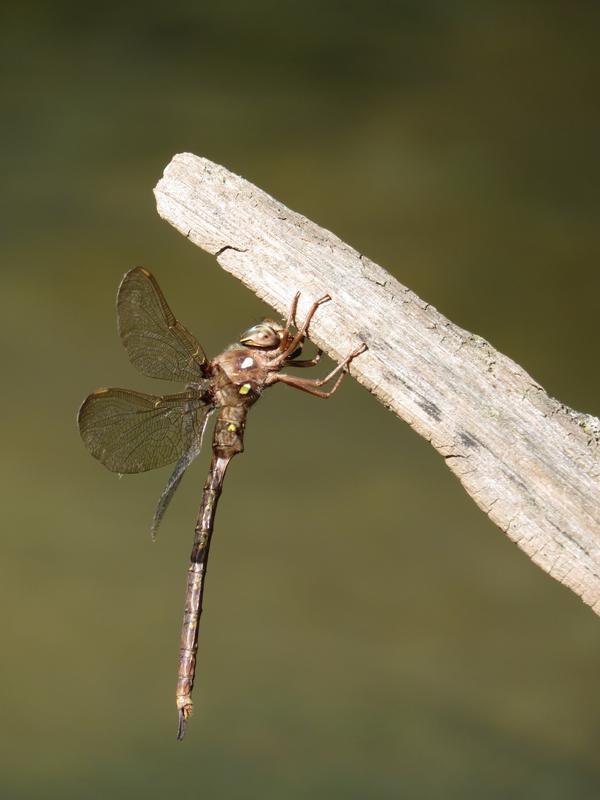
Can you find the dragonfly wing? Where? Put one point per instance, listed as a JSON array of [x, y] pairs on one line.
[[175, 478], [132, 432], [157, 344]]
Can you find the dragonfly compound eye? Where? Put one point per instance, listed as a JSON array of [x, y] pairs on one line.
[[261, 335]]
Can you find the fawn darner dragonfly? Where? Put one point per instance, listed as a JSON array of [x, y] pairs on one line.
[[131, 432]]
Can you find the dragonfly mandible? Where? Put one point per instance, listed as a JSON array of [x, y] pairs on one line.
[[131, 432]]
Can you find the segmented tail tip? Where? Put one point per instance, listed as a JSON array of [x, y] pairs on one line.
[[181, 726]]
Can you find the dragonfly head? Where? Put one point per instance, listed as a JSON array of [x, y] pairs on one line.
[[266, 335], [269, 335]]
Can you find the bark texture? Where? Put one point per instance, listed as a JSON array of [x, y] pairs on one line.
[[528, 461]]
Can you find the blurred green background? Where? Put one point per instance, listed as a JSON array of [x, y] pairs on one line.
[[368, 632]]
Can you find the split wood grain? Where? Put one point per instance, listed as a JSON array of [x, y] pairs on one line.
[[528, 461]]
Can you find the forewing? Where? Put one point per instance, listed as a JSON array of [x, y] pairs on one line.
[[157, 344], [132, 432]]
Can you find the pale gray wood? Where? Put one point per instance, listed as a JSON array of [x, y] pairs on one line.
[[531, 463]]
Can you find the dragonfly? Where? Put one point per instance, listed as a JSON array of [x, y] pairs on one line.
[[130, 432]]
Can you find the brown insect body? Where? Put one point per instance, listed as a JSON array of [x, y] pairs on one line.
[[133, 432]]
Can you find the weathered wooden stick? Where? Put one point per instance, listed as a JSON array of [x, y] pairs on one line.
[[530, 462]]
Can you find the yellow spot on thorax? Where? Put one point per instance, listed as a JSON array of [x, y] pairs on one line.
[[245, 388]]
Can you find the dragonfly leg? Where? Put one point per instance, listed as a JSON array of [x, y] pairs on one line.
[[308, 386], [311, 386], [302, 330], [305, 362], [291, 320]]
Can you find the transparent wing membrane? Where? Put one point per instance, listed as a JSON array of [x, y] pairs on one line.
[[132, 432], [157, 344], [176, 476]]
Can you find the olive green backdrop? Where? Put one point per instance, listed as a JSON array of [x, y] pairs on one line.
[[368, 632]]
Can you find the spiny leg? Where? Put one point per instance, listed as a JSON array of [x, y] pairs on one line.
[[311, 386], [305, 362], [291, 320], [308, 386], [301, 333]]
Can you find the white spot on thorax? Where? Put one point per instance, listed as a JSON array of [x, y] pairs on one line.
[[247, 363]]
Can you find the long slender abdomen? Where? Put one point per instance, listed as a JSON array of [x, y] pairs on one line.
[[195, 589], [227, 441], [189, 641]]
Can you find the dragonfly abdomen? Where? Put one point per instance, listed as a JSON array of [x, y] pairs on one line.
[[228, 438]]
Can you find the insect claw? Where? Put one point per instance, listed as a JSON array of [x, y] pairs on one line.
[[325, 299]]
